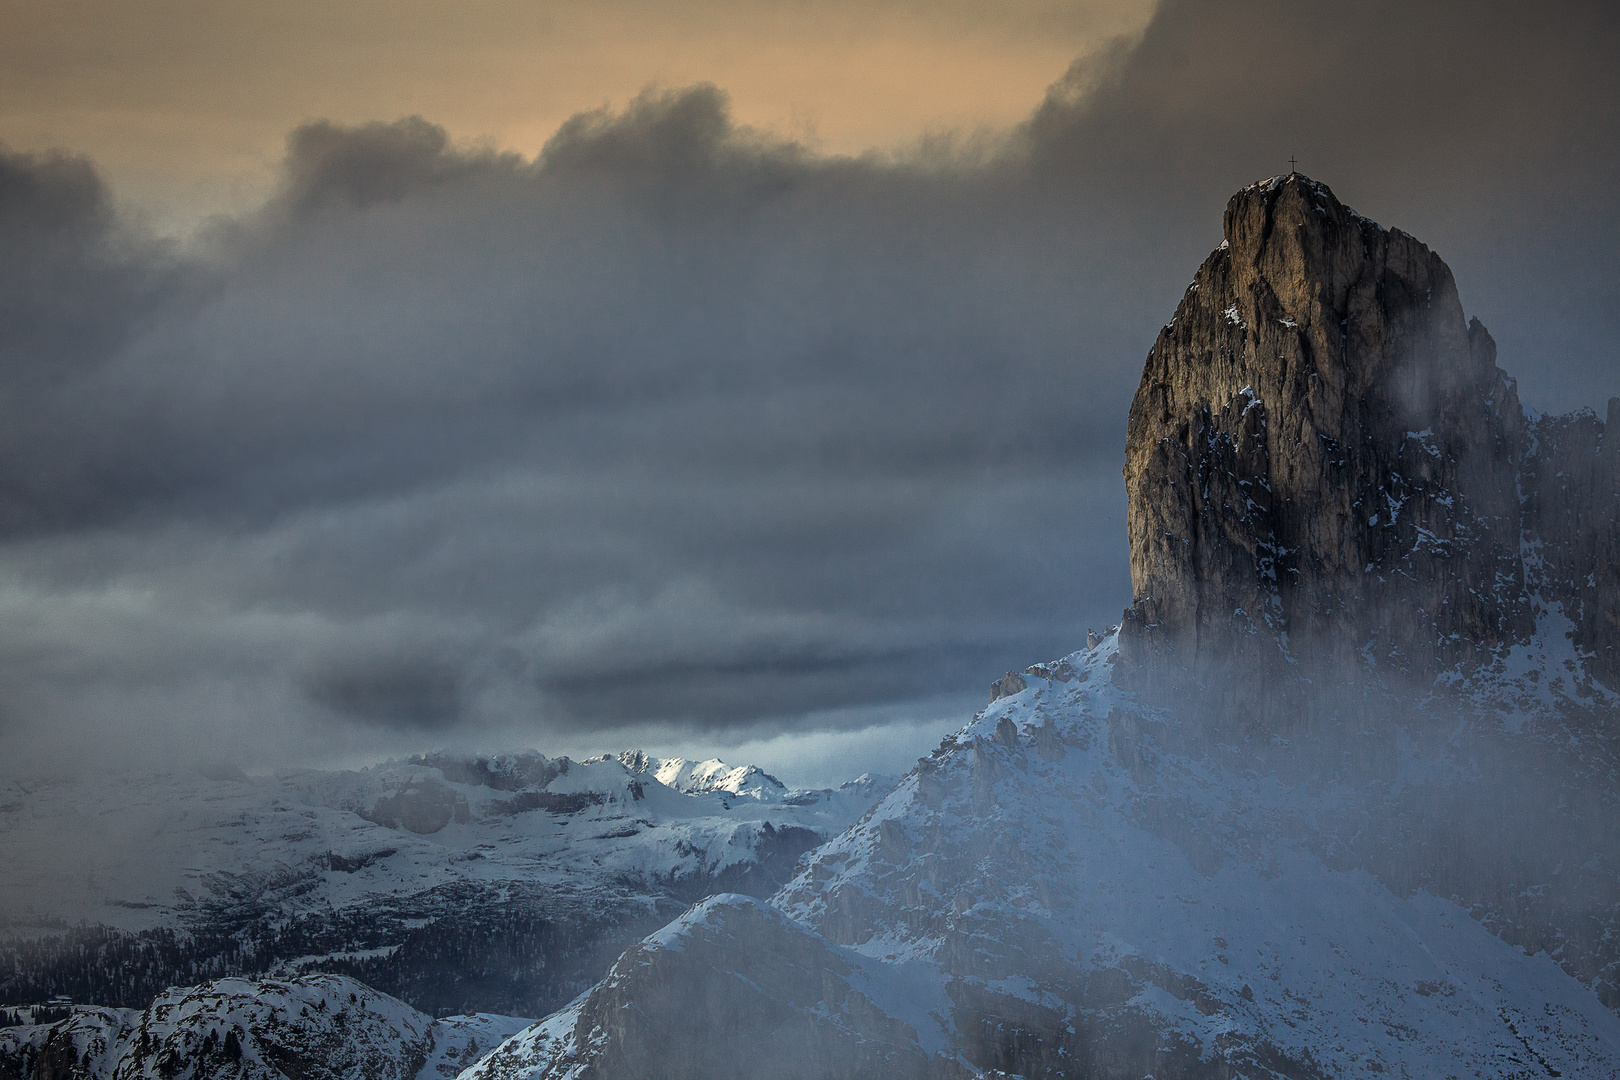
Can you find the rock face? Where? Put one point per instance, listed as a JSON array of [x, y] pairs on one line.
[[1324, 468], [1571, 480]]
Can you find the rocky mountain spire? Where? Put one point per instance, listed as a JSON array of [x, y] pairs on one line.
[[1325, 469]]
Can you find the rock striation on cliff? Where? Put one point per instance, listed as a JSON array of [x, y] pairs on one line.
[[1332, 483]]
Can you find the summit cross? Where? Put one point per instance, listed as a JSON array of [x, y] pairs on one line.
[[1291, 163]]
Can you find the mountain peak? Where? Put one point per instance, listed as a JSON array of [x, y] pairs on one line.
[[1324, 468], [698, 777], [1297, 181]]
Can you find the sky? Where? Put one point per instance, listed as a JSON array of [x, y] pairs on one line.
[[720, 378], [185, 105]]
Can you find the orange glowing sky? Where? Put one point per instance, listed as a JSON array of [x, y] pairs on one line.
[[184, 104]]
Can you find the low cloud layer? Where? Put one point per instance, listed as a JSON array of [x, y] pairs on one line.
[[681, 428]]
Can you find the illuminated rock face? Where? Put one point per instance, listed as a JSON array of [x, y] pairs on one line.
[[1330, 479]]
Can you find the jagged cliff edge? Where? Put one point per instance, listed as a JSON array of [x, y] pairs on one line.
[[1332, 485]]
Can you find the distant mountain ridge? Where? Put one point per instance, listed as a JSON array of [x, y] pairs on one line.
[[496, 884], [699, 777]]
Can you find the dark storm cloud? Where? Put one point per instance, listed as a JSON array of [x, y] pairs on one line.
[[353, 168], [411, 692], [681, 422], [1489, 130], [75, 285], [66, 292]]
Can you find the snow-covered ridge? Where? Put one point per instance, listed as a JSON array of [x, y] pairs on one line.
[[377, 828], [818, 991], [701, 777], [375, 872], [323, 1027], [1069, 880]]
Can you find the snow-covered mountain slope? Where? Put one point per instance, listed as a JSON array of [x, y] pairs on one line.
[[88, 1043], [323, 1027], [500, 884], [698, 777], [1066, 888], [659, 1010]]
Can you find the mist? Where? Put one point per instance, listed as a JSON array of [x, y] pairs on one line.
[[682, 432]]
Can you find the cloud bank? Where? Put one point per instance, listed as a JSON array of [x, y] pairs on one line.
[[681, 428]]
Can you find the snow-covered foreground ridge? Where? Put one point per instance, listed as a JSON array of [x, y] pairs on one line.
[[322, 1027], [1066, 887], [502, 884], [1061, 890]]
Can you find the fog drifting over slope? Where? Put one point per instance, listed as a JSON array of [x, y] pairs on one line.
[[681, 433]]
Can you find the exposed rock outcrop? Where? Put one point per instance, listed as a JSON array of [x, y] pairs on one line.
[[1331, 483], [1571, 483]]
